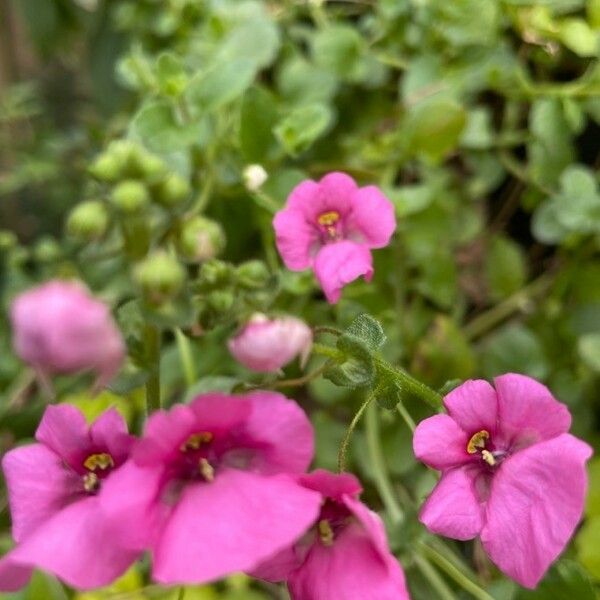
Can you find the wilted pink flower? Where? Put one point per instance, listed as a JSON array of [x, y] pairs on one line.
[[511, 473], [207, 490], [266, 345], [54, 490], [331, 226], [60, 328], [344, 555]]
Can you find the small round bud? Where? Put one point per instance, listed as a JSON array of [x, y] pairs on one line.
[[160, 276], [88, 221], [172, 191], [221, 301], [106, 168], [254, 176], [200, 239], [8, 240], [123, 150], [252, 274], [47, 250], [215, 272], [151, 167], [130, 197]]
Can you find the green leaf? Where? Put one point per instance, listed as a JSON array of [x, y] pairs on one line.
[[257, 119], [504, 267], [478, 133], [338, 48], [210, 383], [566, 580], [301, 82], [221, 84], [410, 199], [170, 74], [588, 547], [357, 369], [368, 330], [302, 126], [588, 347], [387, 394], [579, 37]]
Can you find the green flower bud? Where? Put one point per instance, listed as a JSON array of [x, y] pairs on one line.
[[172, 191], [88, 221], [160, 277], [252, 274], [130, 197], [215, 272], [200, 239], [151, 167], [47, 250], [221, 301], [8, 240], [106, 168]]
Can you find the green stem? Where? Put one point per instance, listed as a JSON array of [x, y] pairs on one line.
[[434, 578], [152, 339], [406, 416], [328, 351], [453, 572], [298, 381], [380, 475], [409, 386], [181, 594], [187, 359], [346, 441]]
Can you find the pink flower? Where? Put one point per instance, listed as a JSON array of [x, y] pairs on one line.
[[511, 473], [331, 226], [60, 328], [207, 489], [54, 490], [344, 555], [266, 345]]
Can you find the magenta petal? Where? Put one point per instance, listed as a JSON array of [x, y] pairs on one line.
[[331, 485], [76, 546], [440, 443], [39, 486], [473, 406], [339, 264], [525, 406], [453, 508], [306, 199], [231, 524], [373, 217], [296, 238], [64, 430], [109, 433], [279, 566], [536, 501], [348, 570], [13, 576], [283, 432]]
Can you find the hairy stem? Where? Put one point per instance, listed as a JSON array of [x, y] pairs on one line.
[[346, 441]]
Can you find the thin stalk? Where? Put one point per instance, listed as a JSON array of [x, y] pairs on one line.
[[298, 381], [343, 451], [452, 571], [433, 578], [187, 359], [406, 416], [181, 594], [152, 339], [380, 474]]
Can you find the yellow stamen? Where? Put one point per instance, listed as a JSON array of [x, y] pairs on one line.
[[91, 483], [196, 440], [328, 219], [100, 461], [206, 469], [325, 532], [477, 441], [488, 457]]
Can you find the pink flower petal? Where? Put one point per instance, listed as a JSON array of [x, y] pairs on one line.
[[109, 433], [338, 264], [331, 485], [279, 566], [13, 576], [453, 508], [76, 546], [64, 430], [527, 409], [473, 405], [39, 486], [440, 443], [243, 519], [297, 238], [536, 501], [373, 217], [306, 198]]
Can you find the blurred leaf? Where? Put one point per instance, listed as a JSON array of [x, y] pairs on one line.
[[301, 82], [566, 580], [257, 119], [302, 126], [504, 267], [578, 36], [588, 549], [338, 48], [478, 133], [589, 350], [357, 368], [410, 199]]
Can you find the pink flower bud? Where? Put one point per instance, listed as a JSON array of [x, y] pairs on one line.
[[59, 327], [266, 345]]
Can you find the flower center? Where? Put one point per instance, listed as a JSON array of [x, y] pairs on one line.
[[97, 465], [195, 450], [329, 221], [196, 441], [477, 444], [325, 532]]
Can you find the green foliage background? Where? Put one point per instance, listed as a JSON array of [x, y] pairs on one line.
[[480, 120]]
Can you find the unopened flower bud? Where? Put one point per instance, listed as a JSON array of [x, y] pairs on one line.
[[172, 191], [151, 167], [221, 301], [252, 274], [265, 345], [214, 272], [106, 168], [254, 176], [47, 250], [160, 276], [200, 239], [8, 240], [59, 327], [88, 221], [130, 197]]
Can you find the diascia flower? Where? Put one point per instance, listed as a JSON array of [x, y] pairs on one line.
[[207, 488], [54, 491], [511, 474], [59, 327], [331, 226], [265, 345], [344, 555]]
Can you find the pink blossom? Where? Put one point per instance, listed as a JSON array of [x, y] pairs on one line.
[[60, 328], [344, 555], [207, 489], [511, 474], [54, 490], [331, 226], [266, 345]]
